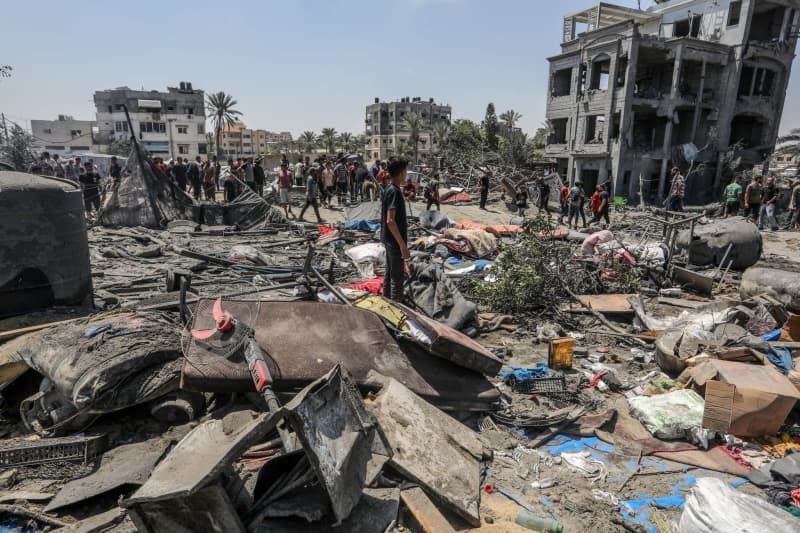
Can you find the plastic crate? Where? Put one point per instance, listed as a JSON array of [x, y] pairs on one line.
[[546, 385]]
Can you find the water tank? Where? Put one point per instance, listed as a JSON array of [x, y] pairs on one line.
[[44, 251]]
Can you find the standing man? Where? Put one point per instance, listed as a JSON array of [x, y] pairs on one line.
[[794, 205], [361, 174], [249, 173], [284, 189], [678, 189], [394, 231], [544, 195], [769, 197], [563, 198], [376, 167], [602, 205], [577, 198], [179, 171], [299, 171], [115, 171], [312, 190], [90, 183], [431, 193], [342, 175], [210, 181], [70, 172], [484, 187], [259, 177], [752, 199], [733, 196], [58, 167], [193, 176], [327, 185]]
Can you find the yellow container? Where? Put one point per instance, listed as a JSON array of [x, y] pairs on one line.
[[560, 353]]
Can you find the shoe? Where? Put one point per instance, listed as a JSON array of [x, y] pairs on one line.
[[301, 219]]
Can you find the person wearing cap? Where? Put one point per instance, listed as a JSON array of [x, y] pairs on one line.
[[284, 188], [577, 199]]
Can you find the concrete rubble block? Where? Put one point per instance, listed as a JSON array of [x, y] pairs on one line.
[[432, 449], [710, 243], [782, 285], [115, 520]]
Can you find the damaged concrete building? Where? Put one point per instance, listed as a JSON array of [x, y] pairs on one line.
[[687, 83]]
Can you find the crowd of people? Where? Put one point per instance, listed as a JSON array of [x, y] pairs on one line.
[[94, 186]]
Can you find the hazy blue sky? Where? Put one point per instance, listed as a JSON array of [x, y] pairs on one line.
[[292, 64]]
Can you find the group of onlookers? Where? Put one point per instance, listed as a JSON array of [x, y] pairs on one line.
[[92, 184], [760, 201]]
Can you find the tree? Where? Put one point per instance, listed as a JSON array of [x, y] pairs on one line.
[[17, 150], [490, 125], [120, 147], [464, 143], [346, 141], [307, 141], [440, 132], [510, 118], [329, 139], [413, 123], [542, 134], [210, 143], [221, 108], [789, 144]]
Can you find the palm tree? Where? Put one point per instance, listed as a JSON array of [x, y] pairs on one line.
[[510, 118], [220, 107], [345, 141], [307, 141], [413, 123], [329, 139], [789, 144], [211, 144], [440, 132]]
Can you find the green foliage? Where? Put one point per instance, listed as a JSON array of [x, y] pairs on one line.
[[17, 149], [464, 143], [533, 274], [307, 141], [413, 123], [510, 118], [328, 139], [490, 126], [120, 147], [220, 107]]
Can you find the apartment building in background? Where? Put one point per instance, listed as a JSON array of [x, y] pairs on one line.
[[65, 136], [386, 128], [168, 124], [685, 82], [240, 141]]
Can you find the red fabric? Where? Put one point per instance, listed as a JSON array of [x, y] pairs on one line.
[[374, 285], [458, 197], [324, 229], [596, 202], [468, 224], [564, 193], [736, 455], [795, 494]]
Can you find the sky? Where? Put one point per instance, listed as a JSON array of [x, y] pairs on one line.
[[292, 65]]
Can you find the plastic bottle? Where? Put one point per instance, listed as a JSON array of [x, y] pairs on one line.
[[538, 523]]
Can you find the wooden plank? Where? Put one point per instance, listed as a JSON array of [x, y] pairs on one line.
[[680, 302], [602, 303], [428, 517], [10, 334]]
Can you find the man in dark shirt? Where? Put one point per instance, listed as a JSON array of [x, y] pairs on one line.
[[484, 187], [259, 177], [769, 199], [90, 183], [361, 175], [179, 171], [602, 212], [193, 177], [394, 230], [544, 194], [115, 171]]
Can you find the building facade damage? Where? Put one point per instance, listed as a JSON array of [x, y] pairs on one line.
[[696, 84]]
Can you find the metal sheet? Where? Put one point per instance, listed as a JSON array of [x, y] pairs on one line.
[[129, 464], [432, 449]]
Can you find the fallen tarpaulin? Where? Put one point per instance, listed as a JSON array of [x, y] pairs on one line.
[[438, 297], [338, 333], [145, 197]]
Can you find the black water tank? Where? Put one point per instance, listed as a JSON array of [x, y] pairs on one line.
[[44, 251]]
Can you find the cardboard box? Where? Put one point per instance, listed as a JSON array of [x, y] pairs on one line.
[[743, 399]]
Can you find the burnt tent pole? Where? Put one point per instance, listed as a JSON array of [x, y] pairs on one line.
[[142, 168]]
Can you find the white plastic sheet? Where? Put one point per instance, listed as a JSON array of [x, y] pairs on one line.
[[714, 507]]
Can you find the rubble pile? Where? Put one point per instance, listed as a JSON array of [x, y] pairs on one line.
[[247, 374]]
